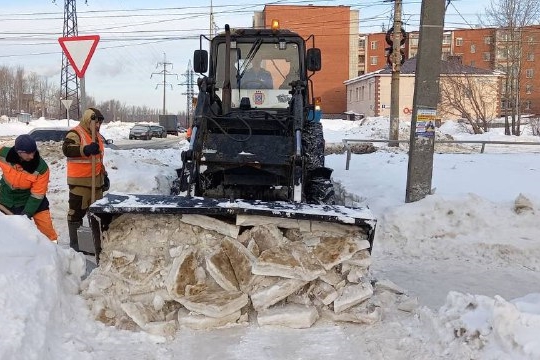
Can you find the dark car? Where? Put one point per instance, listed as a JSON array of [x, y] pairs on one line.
[[57, 134], [140, 131], [158, 131]]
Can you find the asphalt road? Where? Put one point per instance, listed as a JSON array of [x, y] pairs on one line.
[[154, 143]]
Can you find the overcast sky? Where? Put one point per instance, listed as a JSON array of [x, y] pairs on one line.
[[136, 36]]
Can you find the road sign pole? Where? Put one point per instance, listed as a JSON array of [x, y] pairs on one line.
[[67, 105], [83, 94]]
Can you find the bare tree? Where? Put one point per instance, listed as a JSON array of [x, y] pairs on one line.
[[511, 16], [534, 122], [472, 97], [32, 93]]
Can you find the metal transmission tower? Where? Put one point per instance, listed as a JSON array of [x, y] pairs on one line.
[[69, 82], [190, 92], [165, 73]]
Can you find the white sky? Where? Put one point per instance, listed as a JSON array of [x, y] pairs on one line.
[[133, 43], [469, 258]]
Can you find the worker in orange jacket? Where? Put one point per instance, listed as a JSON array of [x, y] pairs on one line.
[[24, 184], [79, 149]]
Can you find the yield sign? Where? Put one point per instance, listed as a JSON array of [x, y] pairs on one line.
[[79, 51], [67, 103]]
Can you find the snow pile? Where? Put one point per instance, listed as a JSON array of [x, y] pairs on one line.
[[39, 283]]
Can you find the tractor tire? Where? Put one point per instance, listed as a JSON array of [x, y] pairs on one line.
[[319, 187], [313, 140]]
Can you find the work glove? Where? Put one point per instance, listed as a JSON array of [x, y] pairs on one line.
[[91, 149], [106, 183]]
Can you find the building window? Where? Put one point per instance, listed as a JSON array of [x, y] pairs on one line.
[[473, 48], [473, 63], [528, 88], [357, 91], [373, 60], [363, 93], [350, 95], [459, 41], [361, 43], [528, 105], [486, 56], [530, 56], [487, 40], [413, 41], [529, 73], [374, 45], [447, 39]]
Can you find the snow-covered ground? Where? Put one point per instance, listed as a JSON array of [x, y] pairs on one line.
[[466, 253]]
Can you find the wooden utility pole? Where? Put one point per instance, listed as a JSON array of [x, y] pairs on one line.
[[426, 98], [396, 69]]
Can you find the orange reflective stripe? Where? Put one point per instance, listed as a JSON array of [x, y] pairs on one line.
[[83, 135], [40, 186]]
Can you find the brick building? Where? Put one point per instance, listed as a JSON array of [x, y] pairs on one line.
[[484, 48], [336, 33]]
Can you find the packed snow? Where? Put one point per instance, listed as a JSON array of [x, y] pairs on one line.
[[467, 255]]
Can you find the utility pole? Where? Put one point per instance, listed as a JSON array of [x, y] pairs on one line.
[[190, 93], [211, 20], [396, 70], [165, 73], [426, 98]]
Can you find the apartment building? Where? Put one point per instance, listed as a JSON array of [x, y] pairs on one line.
[[335, 30], [484, 48]]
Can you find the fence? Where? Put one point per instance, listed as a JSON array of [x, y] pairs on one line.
[[347, 143]]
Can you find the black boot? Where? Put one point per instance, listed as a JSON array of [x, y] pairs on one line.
[[73, 237]]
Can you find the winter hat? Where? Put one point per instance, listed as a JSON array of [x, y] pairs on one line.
[[25, 143]]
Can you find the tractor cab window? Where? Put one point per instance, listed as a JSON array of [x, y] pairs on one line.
[[261, 71]]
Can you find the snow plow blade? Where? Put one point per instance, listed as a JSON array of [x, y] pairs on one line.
[[103, 211]]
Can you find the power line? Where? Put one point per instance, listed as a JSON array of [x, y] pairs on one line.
[[164, 73], [190, 92]]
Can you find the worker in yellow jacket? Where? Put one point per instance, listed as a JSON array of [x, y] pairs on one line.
[[24, 184], [79, 148]]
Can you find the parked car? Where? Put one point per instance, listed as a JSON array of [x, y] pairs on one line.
[[140, 131], [158, 131], [57, 134]]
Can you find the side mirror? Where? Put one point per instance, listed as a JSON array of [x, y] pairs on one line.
[[200, 61], [313, 59]]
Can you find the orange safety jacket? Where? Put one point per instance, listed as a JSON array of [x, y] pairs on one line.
[[22, 187], [81, 167]]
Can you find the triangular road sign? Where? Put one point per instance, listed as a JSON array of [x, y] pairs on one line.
[[79, 51]]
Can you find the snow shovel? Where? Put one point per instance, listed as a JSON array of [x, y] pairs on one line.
[[5, 210], [84, 233]]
